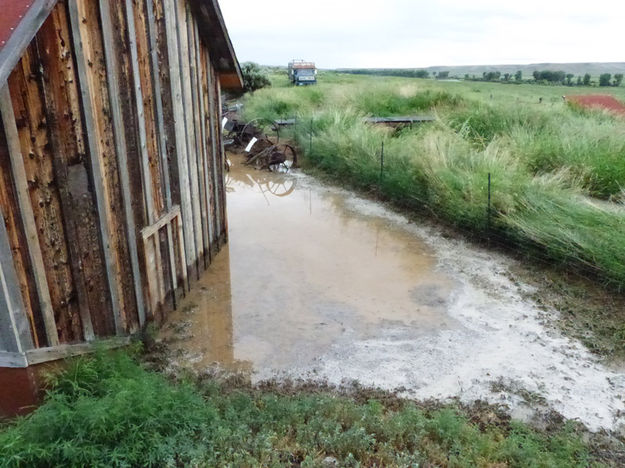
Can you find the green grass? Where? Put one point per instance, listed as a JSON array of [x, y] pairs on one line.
[[545, 160], [109, 411]]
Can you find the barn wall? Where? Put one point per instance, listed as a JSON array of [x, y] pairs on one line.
[[111, 170]]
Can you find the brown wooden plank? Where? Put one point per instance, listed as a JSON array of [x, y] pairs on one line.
[[27, 216], [182, 12], [9, 208], [214, 114], [199, 135], [111, 57], [147, 81], [48, 58], [88, 47], [182, 181], [208, 142], [15, 332], [60, 75]]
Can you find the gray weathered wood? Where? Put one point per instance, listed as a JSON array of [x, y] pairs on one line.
[[41, 355], [12, 51], [94, 160], [182, 12], [27, 216], [12, 359], [199, 143], [214, 148], [152, 32], [14, 327], [188, 246], [205, 147], [119, 132], [159, 224], [143, 146]]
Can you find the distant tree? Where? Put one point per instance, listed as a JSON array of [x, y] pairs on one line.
[[466, 77], [579, 81], [605, 79], [422, 74], [442, 75], [618, 79], [518, 76], [492, 76], [536, 75], [569, 79], [506, 76], [587, 79], [254, 77]]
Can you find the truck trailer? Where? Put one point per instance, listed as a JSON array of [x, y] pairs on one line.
[[302, 73]]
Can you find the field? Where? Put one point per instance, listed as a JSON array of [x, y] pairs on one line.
[[556, 171]]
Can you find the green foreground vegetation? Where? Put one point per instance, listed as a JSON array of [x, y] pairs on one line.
[[553, 166], [109, 411]]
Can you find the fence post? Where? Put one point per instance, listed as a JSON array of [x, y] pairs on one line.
[[489, 204], [310, 137], [382, 162]]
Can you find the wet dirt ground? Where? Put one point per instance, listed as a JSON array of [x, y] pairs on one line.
[[317, 283]]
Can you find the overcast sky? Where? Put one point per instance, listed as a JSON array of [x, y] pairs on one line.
[[420, 33]]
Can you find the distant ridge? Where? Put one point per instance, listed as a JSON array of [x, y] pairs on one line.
[[594, 68]]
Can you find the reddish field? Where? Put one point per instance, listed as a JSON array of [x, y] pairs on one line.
[[598, 101]]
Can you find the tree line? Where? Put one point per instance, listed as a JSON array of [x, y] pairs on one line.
[[539, 77]]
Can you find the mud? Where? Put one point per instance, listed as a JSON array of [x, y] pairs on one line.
[[319, 284]]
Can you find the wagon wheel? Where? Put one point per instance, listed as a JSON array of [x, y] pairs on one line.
[[290, 158], [281, 189], [261, 121]]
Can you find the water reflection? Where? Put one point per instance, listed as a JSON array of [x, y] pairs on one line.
[[305, 271], [201, 331]]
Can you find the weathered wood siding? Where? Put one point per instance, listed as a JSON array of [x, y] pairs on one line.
[[111, 170]]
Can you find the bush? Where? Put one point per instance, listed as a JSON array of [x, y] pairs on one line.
[[253, 77]]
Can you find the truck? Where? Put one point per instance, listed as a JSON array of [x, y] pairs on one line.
[[302, 73]]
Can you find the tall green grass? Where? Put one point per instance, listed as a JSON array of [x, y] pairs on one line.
[[544, 162], [108, 411]]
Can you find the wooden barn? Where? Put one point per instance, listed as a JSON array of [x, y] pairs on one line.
[[111, 169]]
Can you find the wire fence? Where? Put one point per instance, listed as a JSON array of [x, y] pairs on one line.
[[493, 234]]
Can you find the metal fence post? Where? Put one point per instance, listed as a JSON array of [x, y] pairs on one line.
[[489, 205], [310, 137], [382, 162]]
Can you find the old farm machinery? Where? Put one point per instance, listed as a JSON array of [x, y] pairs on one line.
[[261, 151]]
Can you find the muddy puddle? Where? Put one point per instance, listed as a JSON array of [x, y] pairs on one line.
[[317, 283]]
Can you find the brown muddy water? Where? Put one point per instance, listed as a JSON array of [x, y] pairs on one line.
[[319, 284]]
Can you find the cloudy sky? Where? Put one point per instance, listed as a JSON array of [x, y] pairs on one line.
[[420, 33]]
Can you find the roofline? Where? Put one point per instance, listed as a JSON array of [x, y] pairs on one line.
[[223, 57], [222, 52], [23, 34]]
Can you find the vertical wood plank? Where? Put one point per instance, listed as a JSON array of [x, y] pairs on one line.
[[152, 34], [60, 173], [202, 100], [187, 97], [9, 208], [214, 121], [134, 60], [86, 90], [188, 246], [28, 220], [120, 146], [54, 50], [15, 334], [208, 144], [199, 143]]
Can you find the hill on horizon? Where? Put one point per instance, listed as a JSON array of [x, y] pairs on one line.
[[580, 68]]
